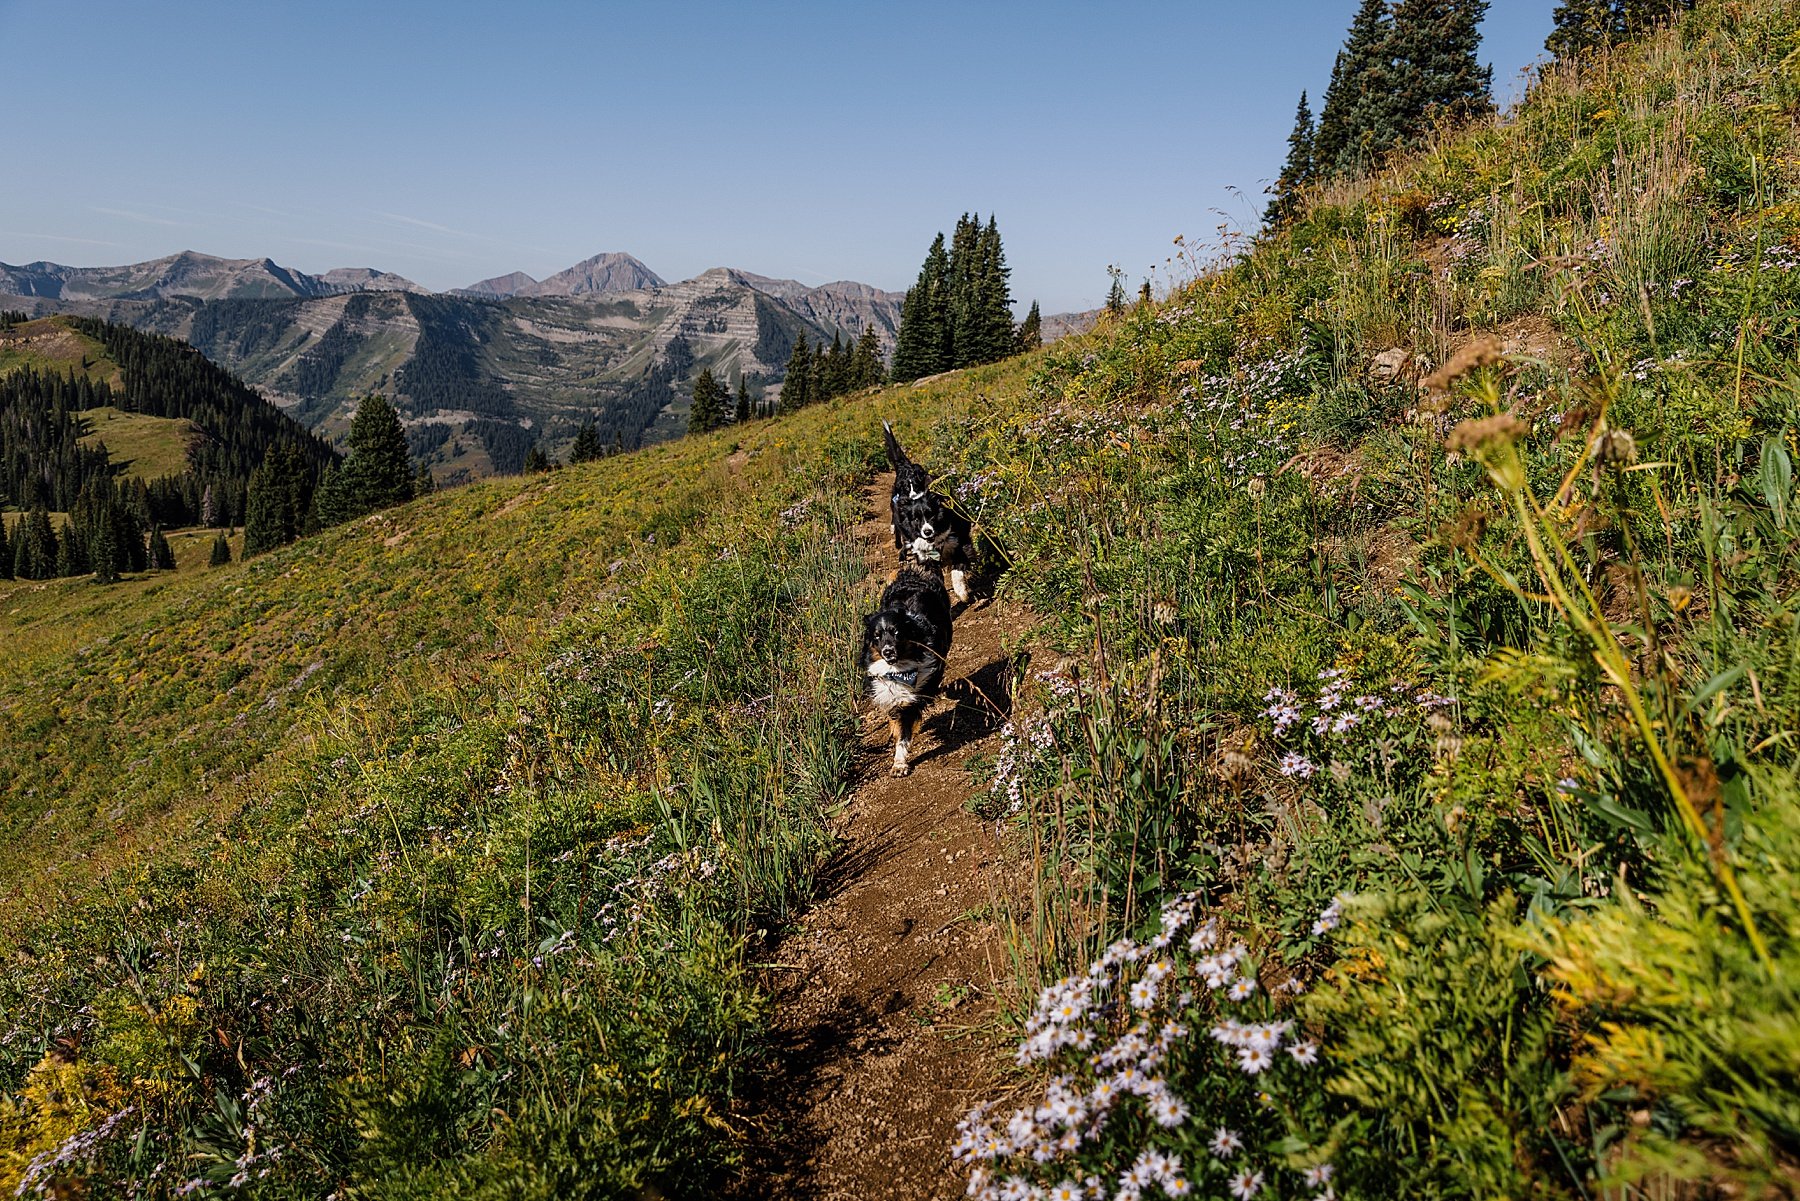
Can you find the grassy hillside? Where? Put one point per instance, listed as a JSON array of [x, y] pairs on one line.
[[1432, 592], [148, 448], [1411, 751], [48, 344], [440, 834]]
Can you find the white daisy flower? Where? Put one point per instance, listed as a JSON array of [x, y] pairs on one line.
[[1305, 1054], [1265, 1036], [1246, 1184], [1252, 1060], [1319, 1174], [1242, 988], [1168, 1110], [1226, 1143]]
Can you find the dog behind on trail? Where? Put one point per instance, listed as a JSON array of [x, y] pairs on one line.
[[904, 647], [927, 531]]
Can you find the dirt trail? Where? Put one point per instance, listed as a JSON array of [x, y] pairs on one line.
[[882, 995]]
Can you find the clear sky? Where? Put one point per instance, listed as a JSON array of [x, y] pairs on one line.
[[452, 141]]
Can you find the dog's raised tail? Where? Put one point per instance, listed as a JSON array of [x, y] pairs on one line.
[[896, 456]]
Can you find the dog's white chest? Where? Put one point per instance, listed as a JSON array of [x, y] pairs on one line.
[[887, 690]]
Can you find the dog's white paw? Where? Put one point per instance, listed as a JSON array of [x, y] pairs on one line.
[[901, 769]]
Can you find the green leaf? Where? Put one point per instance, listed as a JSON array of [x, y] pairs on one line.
[[1777, 478], [1724, 679]]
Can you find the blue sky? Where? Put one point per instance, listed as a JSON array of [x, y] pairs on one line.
[[453, 141]]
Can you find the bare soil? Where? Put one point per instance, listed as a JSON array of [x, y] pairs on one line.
[[885, 996]]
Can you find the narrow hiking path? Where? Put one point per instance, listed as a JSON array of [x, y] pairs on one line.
[[882, 998]]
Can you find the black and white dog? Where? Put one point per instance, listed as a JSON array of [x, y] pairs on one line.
[[927, 530], [904, 647]]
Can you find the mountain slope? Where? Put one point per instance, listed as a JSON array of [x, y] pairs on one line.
[[164, 413], [188, 276], [500, 286], [1398, 800], [610, 272], [479, 380]]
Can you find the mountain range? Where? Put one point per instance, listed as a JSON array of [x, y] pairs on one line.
[[479, 373]]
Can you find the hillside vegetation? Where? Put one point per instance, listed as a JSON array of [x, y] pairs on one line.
[[1410, 749]]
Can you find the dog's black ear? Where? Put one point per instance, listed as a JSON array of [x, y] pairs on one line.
[[896, 456]]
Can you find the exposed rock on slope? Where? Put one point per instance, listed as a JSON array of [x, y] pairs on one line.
[[190, 275], [610, 272]]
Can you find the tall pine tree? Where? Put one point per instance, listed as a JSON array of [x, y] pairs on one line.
[[279, 499], [6, 556], [965, 290], [992, 335], [221, 551], [161, 555], [587, 443], [1359, 118], [377, 471], [708, 411], [796, 385], [1297, 173], [1438, 76], [1031, 330], [1584, 25], [741, 411], [921, 347], [865, 363], [34, 546]]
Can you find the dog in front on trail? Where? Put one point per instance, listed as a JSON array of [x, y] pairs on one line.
[[927, 531], [904, 647]]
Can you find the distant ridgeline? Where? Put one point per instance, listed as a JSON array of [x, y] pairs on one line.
[[50, 461]]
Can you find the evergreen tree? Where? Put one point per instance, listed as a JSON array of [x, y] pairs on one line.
[[1637, 16], [1360, 119], [34, 546], [536, 461], [741, 413], [424, 483], [587, 443], [965, 290], [72, 560], [1031, 330], [209, 509], [1333, 129], [1439, 77], [6, 554], [262, 510], [1583, 25], [921, 345], [377, 471], [796, 384], [1296, 173], [280, 497], [332, 504], [708, 411], [1115, 295], [162, 557], [992, 335], [865, 362], [221, 551]]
